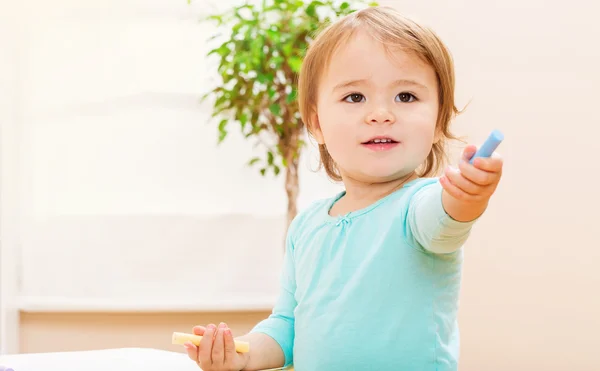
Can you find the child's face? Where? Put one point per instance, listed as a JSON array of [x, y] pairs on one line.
[[369, 94]]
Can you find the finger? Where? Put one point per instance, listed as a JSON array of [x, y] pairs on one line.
[[206, 345], [199, 330], [457, 179], [478, 176], [230, 352], [218, 353], [453, 190], [192, 351], [468, 152], [491, 164]]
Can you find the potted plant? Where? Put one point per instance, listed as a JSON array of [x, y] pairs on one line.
[[260, 52]]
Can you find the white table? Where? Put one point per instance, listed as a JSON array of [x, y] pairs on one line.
[[124, 359]]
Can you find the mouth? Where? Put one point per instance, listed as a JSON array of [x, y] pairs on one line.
[[380, 140], [380, 144]]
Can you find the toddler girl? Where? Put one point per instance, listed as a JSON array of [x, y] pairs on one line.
[[372, 276]]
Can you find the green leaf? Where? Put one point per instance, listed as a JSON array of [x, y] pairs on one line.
[[222, 100], [263, 171], [274, 35], [216, 17], [287, 48], [253, 161], [222, 50], [243, 119], [265, 78], [279, 130], [311, 9], [270, 158], [277, 61], [295, 63], [275, 109], [222, 130], [276, 169], [290, 98], [344, 6]]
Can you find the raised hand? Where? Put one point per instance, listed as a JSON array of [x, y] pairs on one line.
[[473, 183]]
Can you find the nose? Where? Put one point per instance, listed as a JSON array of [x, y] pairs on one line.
[[381, 115]]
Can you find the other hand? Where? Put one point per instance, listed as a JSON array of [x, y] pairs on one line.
[[216, 351]]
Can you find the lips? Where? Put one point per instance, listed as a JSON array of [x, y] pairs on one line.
[[378, 140], [382, 140], [379, 144]]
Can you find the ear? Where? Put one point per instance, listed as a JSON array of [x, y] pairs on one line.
[[315, 127]]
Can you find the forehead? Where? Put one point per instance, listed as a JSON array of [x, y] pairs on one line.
[[361, 56]]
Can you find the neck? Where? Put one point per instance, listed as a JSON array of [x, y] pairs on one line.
[[360, 194]]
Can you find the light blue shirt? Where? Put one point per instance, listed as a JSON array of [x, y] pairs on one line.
[[376, 289]]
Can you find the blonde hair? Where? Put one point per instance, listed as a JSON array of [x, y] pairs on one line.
[[394, 31]]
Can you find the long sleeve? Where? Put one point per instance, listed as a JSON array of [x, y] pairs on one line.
[[280, 324], [429, 224]]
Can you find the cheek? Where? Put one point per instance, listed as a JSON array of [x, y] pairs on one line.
[[336, 126], [423, 124], [420, 132]]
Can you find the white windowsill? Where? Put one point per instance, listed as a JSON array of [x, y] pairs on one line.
[[40, 304]]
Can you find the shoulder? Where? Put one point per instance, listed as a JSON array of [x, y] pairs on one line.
[[412, 192], [422, 185], [423, 194]]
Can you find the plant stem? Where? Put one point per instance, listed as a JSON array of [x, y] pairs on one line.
[[291, 182]]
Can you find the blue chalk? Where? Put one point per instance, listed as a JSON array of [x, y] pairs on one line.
[[489, 146]]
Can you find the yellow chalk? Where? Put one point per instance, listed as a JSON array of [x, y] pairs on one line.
[[181, 337]]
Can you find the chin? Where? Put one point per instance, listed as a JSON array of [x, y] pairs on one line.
[[381, 175]]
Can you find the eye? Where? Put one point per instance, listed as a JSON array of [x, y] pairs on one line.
[[354, 98], [406, 97]]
